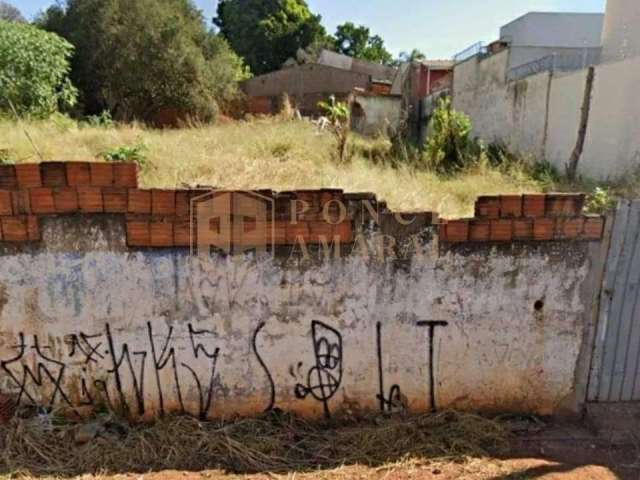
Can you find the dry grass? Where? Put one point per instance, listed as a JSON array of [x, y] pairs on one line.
[[260, 154], [279, 444]]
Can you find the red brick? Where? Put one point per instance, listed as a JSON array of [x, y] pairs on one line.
[[28, 175], [162, 234], [479, 230], [54, 174], [78, 174], [593, 228], [543, 229], [569, 228], [139, 201], [294, 231], [511, 206], [487, 207], [42, 200], [101, 174], [138, 234], [65, 199], [564, 205], [33, 228], [457, 231], [533, 205], [6, 203], [344, 231], [21, 202], [115, 199], [90, 199], [8, 180], [14, 229], [183, 203], [523, 229], [320, 230], [125, 175], [163, 202], [501, 230], [182, 233]]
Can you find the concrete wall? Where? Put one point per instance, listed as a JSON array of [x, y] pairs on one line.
[[555, 29], [376, 114], [540, 114], [612, 146], [575, 57], [309, 78], [497, 328], [621, 35], [510, 112]]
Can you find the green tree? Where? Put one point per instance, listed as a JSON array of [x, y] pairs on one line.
[[137, 58], [34, 68], [266, 33], [414, 55], [10, 13], [357, 42]]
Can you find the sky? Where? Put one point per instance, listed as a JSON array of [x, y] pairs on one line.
[[439, 28]]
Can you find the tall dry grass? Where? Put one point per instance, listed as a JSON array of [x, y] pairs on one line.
[[271, 153]]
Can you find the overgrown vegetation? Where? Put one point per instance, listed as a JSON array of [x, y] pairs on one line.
[[34, 69], [338, 114], [278, 442], [136, 59]]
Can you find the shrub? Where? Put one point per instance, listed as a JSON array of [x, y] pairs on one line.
[[34, 68], [139, 58], [127, 153], [339, 116], [600, 201], [450, 148]]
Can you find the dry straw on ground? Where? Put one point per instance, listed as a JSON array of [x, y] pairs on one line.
[[276, 443]]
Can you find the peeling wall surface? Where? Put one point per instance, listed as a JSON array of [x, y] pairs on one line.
[[87, 322]]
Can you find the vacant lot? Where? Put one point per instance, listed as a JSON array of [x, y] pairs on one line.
[[273, 153]]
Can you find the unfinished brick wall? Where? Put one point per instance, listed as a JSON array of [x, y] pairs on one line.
[[161, 218]]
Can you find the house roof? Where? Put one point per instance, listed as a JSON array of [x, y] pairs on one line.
[[439, 64]]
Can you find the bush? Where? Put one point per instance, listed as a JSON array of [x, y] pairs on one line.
[[127, 153], [450, 147], [138, 59], [601, 201], [34, 68]]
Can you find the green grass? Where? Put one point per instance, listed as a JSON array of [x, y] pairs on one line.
[[268, 153]]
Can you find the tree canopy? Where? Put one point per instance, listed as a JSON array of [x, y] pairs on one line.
[[10, 13], [266, 33], [34, 68], [136, 58], [357, 41]]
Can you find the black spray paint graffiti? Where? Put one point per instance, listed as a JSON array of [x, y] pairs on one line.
[[36, 371], [272, 385], [388, 403], [323, 379], [47, 370], [432, 324]]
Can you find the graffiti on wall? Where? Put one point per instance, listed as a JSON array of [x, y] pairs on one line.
[[99, 369]]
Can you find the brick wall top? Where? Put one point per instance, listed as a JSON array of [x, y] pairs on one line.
[[162, 218]]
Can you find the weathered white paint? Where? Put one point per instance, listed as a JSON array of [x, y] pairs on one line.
[[621, 35], [497, 353]]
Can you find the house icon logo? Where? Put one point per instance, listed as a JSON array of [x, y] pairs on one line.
[[233, 223]]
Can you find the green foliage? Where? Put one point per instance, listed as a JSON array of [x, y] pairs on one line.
[[135, 59], [357, 42], [545, 173], [449, 147], [127, 153], [601, 201], [266, 33], [103, 120], [339, 115], [5, 157], [34, 68], [414, 55]]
